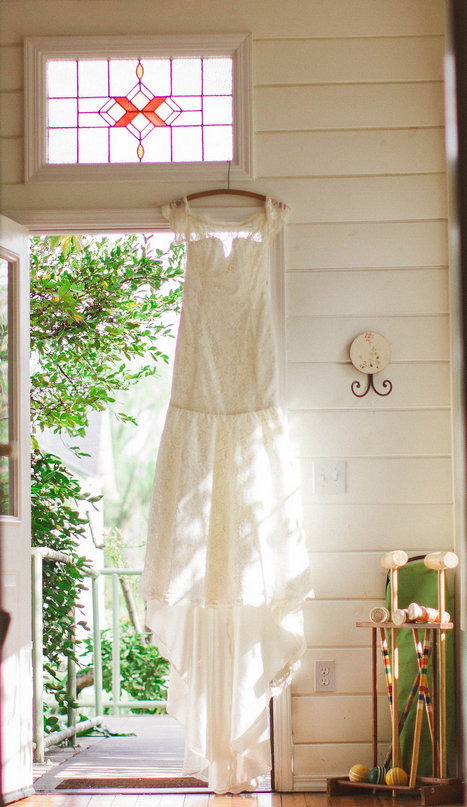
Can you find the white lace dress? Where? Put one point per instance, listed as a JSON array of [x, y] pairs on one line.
[[226, 568]]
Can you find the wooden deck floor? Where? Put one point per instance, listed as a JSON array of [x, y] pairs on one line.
[[150, 752], [156, 750], [152, 747]]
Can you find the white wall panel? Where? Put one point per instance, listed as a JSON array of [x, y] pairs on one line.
[[330, 623], [375, 293], [348, 576], [370, 434], [11, 119], [353, 670], [334, 759], [323, 18], [418, 528], [311, 199], [327, 386], [355, 106], [367, 198], [343, 153], [387, 481], [11, 65], [328, 339], [345, 60], [368, 244], [11, 160], [338, 718]]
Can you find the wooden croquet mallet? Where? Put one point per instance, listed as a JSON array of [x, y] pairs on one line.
[[440, 561], [393, 562]]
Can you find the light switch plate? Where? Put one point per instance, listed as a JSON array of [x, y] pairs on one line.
[[329, 477]]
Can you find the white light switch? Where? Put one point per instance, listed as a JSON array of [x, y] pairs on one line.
[[329, 477]]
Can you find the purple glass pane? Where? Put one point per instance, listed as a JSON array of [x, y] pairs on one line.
[[218, 143], [186, 76], [217, 76], [93, 120], [92, 145], [123, 147], [157, 75], [157, 146], [188, 102], [187, 144], [189, 118], [92, 104], [61, 79], [217, 109], [122, 74], [62, 113], [92, 77], [61, 146]]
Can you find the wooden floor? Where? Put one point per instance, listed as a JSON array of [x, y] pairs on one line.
[[206, 800]]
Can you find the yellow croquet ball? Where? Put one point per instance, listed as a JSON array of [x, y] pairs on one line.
[[359, 773], [396, 776]]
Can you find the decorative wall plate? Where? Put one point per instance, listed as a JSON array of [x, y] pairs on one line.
[[370, 352]]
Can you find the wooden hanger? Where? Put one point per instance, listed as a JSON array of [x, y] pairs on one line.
[[226, 191]]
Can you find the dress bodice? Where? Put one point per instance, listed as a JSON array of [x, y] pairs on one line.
[[225, 357]]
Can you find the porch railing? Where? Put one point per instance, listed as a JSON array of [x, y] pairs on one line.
[[40, 740]]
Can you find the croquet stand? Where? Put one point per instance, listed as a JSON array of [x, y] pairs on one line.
[[437, 789]]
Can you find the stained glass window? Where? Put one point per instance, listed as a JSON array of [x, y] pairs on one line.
[[165, 110]]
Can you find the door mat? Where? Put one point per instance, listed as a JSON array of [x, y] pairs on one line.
[[93, 783]]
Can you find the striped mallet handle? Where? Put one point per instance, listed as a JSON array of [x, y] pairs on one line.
[[393, 562], [387, 665], [423, 655], [422, 692]]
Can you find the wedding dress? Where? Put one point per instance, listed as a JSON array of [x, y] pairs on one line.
[[226, 568]]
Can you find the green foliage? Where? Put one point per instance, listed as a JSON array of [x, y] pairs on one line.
[[96, 305], [56, 523], [96, 312], [144, 672]]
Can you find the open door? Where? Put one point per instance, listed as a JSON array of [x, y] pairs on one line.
[[15, 520]]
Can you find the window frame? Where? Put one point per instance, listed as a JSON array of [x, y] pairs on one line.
[[39, 50]]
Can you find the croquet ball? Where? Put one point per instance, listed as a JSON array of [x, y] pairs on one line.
[[359, 773], [396, 776], [377, 775]]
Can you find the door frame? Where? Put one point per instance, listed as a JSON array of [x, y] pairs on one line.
[[16, 668], [65, 222]]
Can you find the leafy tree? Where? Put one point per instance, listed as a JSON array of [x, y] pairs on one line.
[[97, 308], [143, 670]]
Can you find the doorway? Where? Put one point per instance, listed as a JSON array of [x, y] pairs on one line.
[[109, 221]]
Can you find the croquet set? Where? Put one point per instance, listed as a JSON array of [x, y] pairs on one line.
[[415, 634]]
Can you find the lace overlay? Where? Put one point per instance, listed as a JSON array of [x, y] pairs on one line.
[[226, 567]]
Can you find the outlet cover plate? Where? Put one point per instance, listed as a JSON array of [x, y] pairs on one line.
[[325, 676]]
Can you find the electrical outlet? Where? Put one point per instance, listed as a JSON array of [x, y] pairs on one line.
[[325, 676]]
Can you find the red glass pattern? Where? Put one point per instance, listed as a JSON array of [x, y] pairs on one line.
[[140, 111]]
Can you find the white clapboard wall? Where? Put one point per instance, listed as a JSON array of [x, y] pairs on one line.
[[348, 118]]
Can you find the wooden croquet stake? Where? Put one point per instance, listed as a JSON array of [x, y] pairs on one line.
[[440, 561]]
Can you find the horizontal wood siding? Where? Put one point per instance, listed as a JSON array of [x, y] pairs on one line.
[[348, 117]]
